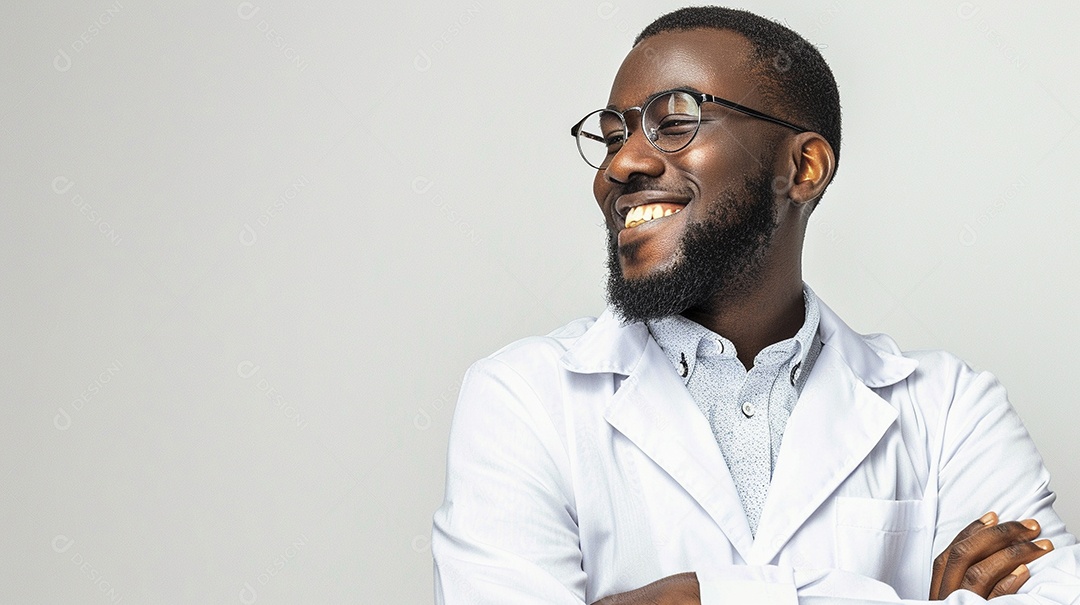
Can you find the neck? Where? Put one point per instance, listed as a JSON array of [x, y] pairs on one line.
[[760, 317]]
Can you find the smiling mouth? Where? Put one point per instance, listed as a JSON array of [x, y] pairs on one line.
[[639, 215]]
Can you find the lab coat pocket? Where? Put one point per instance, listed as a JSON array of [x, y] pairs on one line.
[[871, 536]]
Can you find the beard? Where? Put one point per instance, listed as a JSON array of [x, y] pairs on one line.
[[717, 260]]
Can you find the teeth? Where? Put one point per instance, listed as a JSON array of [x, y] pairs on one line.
[[646, 213]]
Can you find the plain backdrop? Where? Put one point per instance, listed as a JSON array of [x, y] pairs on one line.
[[248, 249]]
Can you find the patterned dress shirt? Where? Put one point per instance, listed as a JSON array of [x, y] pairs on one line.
[[747, 409]]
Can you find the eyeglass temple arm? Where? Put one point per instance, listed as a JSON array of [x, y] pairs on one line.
[[750, 112], [576, 130]]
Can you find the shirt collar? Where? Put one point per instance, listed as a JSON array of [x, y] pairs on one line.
[[607, 344], [684, 341]]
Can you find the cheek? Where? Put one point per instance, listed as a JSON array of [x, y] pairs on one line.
[[600, 188], [705, 166]]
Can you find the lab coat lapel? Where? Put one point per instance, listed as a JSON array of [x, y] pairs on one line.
[[834, 426], [654, 410]]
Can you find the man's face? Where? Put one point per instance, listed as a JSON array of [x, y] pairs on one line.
[[713, 248]]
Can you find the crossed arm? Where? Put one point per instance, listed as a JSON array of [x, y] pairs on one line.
[[507, 532], [987, 558]]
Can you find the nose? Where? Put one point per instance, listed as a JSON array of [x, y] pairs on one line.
[[636, 156]]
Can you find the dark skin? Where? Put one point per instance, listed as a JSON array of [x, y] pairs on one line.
[[986, 557], [769, 308]]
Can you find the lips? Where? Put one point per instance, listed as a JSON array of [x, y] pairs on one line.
[[644, 215], [625, 203], [639, 215], [635, 209]]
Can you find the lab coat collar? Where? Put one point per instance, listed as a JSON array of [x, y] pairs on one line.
[[607, 346], [837, 413], [610, 346], [875, 368]]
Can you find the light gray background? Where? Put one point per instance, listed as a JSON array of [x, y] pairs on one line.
[[247, 251]]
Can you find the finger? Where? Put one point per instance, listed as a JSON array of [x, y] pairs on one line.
[[980, 545], [982, 577], [1011, 583], [986, 520]]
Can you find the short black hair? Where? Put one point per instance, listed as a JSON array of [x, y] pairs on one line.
[[796, 81]]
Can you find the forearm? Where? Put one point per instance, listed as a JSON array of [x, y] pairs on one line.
[[1054, 581]]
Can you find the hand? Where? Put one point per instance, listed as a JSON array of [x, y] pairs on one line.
[[987, 558], [679, 589]]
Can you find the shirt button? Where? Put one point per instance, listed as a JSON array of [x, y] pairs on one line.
[[748, 409]]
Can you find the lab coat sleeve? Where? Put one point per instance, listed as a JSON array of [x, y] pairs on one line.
[[986, 461], [507, 529], [781, 585]]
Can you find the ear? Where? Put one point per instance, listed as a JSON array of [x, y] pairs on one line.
[[810, 167]]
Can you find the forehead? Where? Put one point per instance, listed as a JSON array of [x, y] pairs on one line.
[[709, 60]]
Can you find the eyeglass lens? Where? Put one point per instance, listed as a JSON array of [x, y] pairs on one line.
[[670, 120]]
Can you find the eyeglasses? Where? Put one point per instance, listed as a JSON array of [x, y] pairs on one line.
[[669, 119]]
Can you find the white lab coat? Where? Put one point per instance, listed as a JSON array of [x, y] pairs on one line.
[[579, 466]]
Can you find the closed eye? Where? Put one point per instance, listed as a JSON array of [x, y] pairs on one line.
[[613, 140], [677, 124]]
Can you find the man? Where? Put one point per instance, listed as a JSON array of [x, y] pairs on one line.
[[718, 434]]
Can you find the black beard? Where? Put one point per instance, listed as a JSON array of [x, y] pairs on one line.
[[717, 260]]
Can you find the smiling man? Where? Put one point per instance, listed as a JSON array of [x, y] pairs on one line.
[[718, 434]]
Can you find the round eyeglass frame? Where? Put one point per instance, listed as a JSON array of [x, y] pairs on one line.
[[697, 96]]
